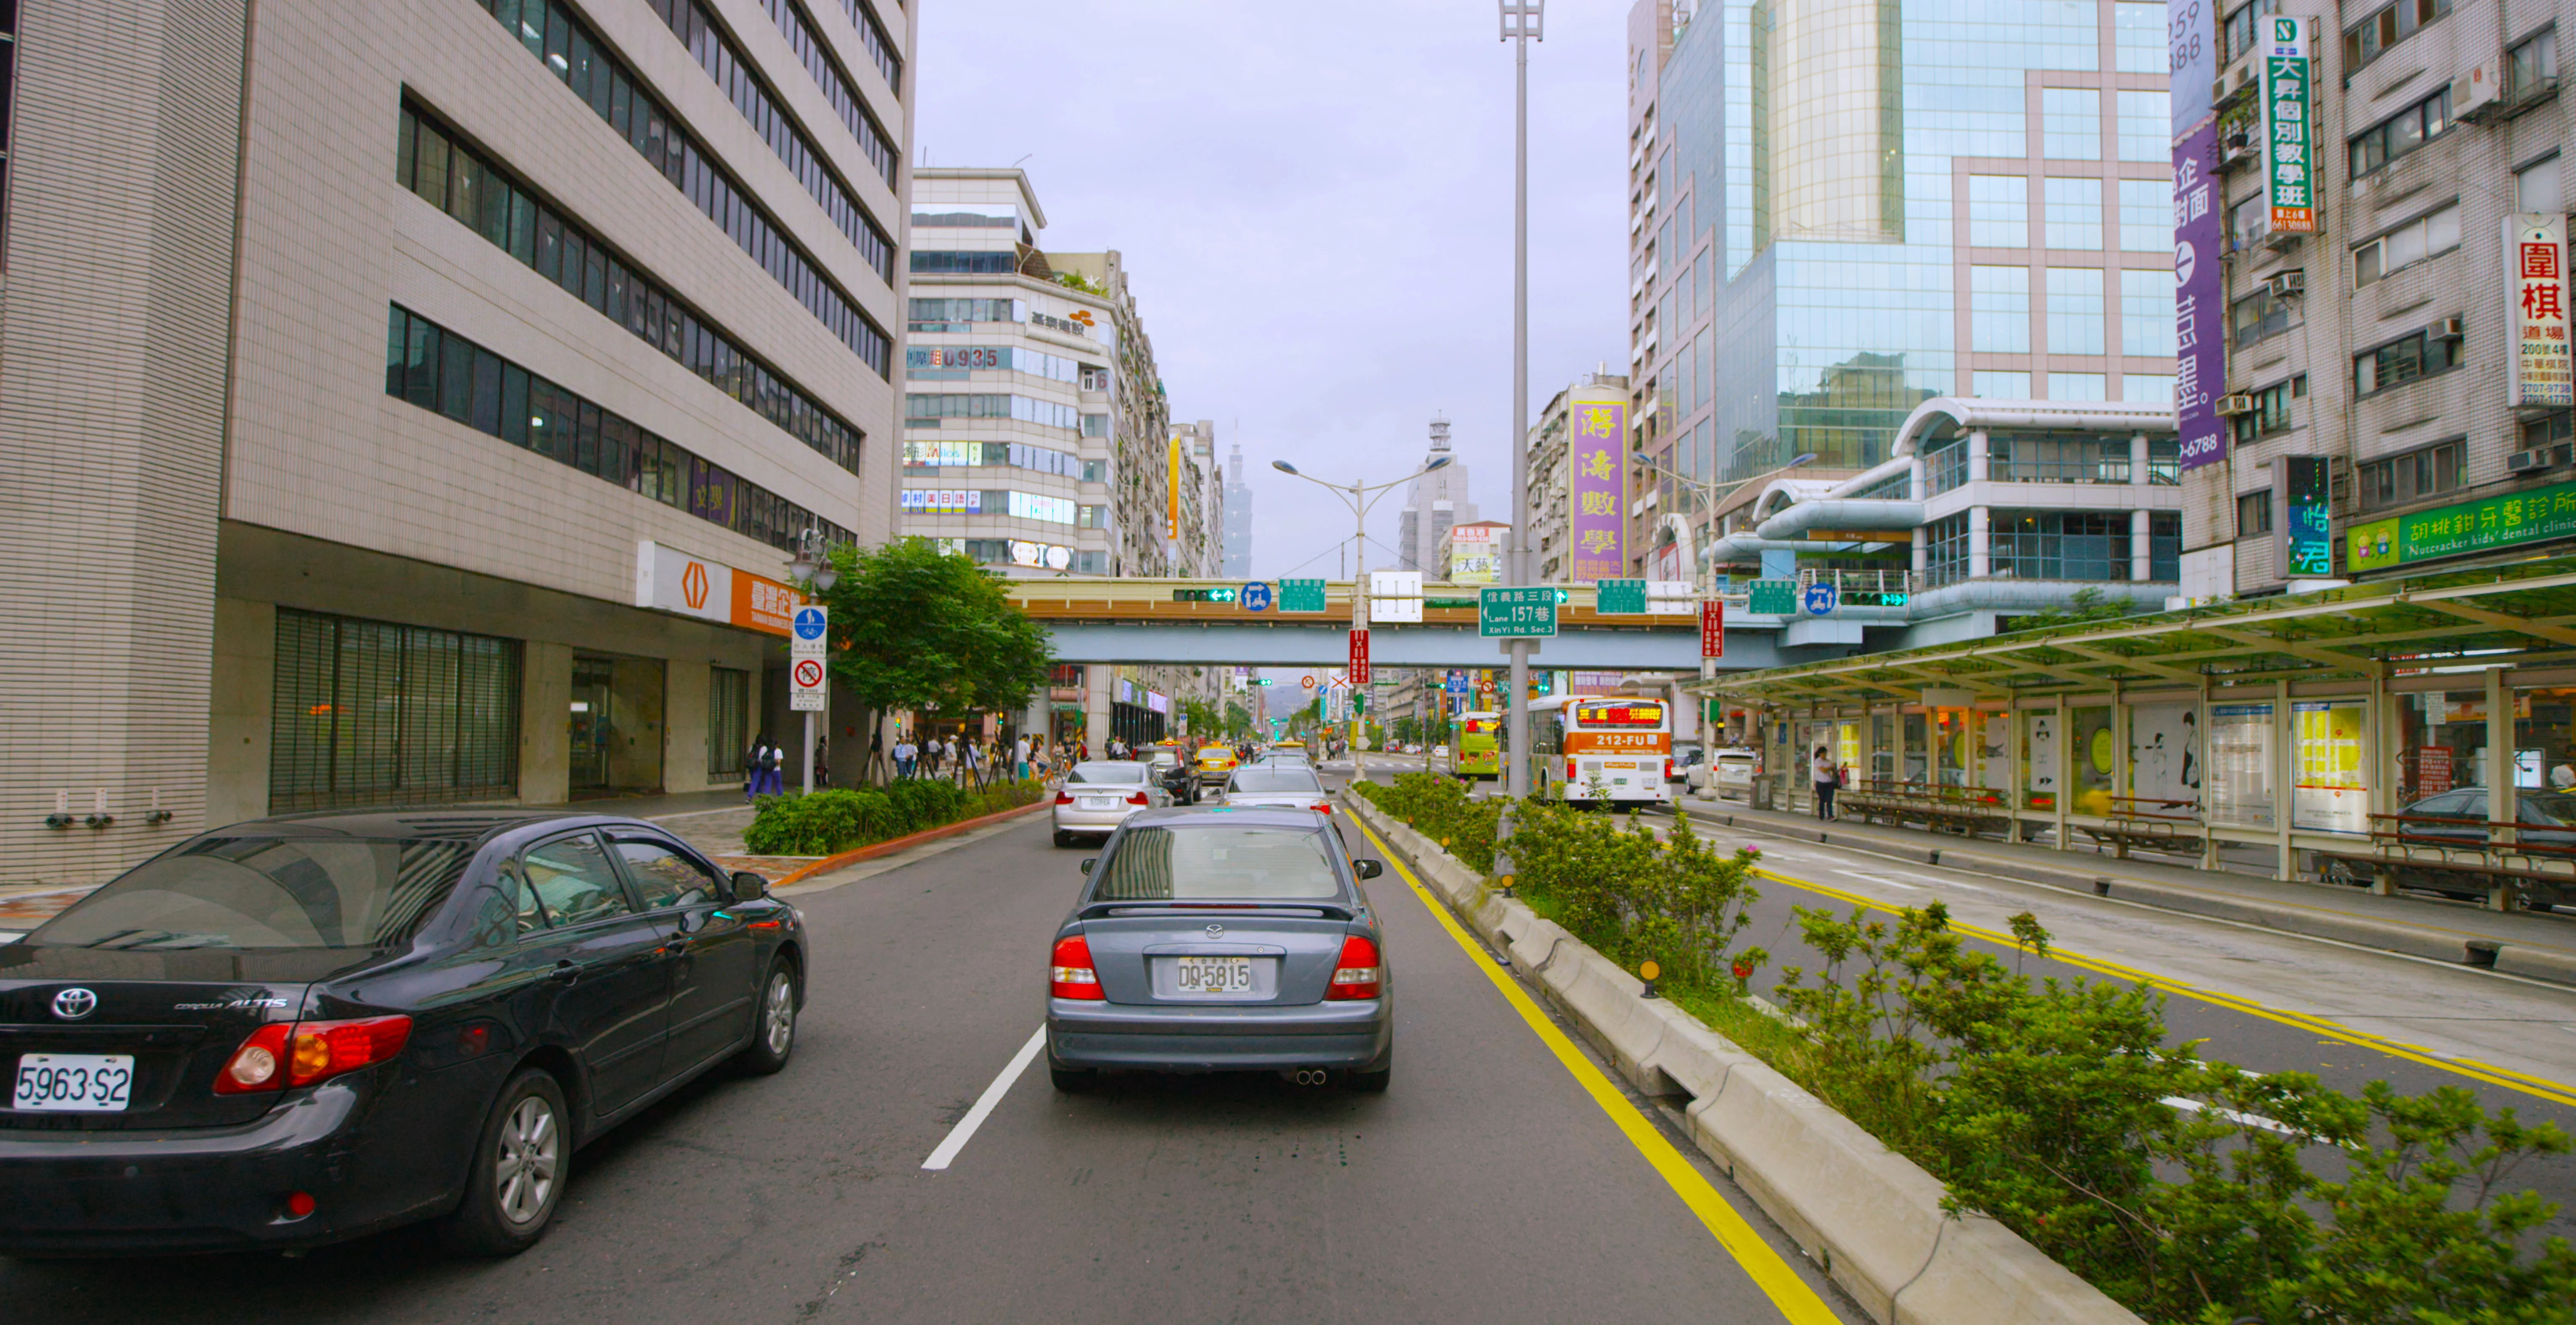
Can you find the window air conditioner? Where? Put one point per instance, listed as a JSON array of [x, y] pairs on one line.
[[2234, 147], [2524, 462], [2449, 328], [2479, 93], [2280, 283], [2231, 406]]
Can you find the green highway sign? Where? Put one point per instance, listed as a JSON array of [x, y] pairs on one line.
[[1619, 597], [1772, 598], [1301, 595], [1516, 613]]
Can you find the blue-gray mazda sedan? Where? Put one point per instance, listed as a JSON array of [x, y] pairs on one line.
[[1222, 940]]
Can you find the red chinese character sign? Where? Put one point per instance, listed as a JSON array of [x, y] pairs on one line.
[[1712, 628], [2535, 270], [1359, 658], [1596, 456]]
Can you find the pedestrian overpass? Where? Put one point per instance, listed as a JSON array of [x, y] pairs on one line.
[[1153, 620]]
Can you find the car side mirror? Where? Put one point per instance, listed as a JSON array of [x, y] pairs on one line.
[[1086, 865], [749, 887], [1367, 869]]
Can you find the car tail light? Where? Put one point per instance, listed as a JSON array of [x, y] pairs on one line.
[[1069, 972], [1321, 807], [1063, 797], [1356, 974], [280, 1054], [1668, 770], [1138, 799]]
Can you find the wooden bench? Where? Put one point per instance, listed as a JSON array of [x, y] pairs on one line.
[[2145, 824], [1961, 809]]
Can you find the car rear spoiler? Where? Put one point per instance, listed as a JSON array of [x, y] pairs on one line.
[[1327, 910]]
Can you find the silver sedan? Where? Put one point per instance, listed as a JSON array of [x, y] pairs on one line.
[[1222, 940], [1097, 797], [1276, 786]]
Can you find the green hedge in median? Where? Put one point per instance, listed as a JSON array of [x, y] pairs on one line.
[[2183, 1188], [843, 818], [1439, 808]]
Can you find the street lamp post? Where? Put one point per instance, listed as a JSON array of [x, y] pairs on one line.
[[813, 570], [1357, 497], [1524, 21]]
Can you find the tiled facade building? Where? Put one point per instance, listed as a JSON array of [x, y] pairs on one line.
[[395, 394]]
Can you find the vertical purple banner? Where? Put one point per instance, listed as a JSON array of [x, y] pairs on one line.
[[2200, 299], [1595, 504]]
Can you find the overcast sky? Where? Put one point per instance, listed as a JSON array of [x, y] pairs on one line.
[[1314, 201]]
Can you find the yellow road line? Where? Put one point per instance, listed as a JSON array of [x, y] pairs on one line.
[[2541, 1087], [1798, 1303]]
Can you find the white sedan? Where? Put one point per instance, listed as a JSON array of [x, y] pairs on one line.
[[1097, 797]]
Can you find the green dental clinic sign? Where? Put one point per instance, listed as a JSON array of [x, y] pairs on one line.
[[2476, 526]]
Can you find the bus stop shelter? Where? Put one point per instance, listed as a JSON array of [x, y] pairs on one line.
[[2282, 735]]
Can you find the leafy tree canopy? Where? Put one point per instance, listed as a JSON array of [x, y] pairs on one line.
[[916, 628]]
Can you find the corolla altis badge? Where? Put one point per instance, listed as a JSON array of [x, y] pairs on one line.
[[1216, 931], [74, 1004]]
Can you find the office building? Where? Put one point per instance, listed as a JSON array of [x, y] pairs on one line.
[[1841, 210], [1434, 502], [1238, 518], [2407, 330], [418, 402]]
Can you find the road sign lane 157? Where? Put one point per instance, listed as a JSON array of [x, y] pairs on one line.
[[1516, 613]]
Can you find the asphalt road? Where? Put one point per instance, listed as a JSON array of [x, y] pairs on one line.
[[1486, 1185], [2262, 1000]]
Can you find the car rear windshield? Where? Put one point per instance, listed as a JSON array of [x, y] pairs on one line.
[[267, 892], [1193, 862], [1106, 773], [1288, 778]]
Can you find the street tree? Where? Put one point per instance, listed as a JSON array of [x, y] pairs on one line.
[[917, 629]]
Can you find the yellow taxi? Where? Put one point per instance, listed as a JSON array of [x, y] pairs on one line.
[[1215, 764]]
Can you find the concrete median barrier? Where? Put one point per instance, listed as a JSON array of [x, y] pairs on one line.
[[1869, 1216]]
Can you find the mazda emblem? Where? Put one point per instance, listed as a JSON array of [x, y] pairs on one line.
[[74, 1004], [1216, 931]]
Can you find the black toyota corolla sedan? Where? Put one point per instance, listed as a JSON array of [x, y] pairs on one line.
[[303, 1029]]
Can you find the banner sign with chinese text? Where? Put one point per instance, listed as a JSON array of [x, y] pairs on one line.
[[2289, 142], [2200, 299], [2476, 526], [2535, 279], [1596, 451], [2307, 535]]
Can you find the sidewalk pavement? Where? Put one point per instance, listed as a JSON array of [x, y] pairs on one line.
[[2541, 946]]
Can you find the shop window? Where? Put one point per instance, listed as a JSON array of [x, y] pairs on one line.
[[2254, 513], [2059, 545], [2058, 459], [728, 721], [1947, 539], [1946, 467], [374, 713], [2164, 462]]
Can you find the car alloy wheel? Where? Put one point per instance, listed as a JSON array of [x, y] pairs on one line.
[[531, 1151], [778, 1014]]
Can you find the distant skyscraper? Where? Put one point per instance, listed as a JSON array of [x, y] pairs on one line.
[[1437, 501], [1238, 518]]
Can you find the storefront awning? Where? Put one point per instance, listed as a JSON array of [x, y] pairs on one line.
[[2526, 609]]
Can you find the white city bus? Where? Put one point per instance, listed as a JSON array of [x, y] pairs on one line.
[[1611, 750]]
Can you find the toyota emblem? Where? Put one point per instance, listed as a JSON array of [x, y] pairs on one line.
[[1216, 931], [74, 1004]]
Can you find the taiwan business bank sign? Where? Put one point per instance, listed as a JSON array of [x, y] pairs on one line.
[[2200, 296]]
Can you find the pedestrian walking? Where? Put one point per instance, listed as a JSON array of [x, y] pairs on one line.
[[970, 764], [1828, 781], [1020, 759], [755, 782], [905, 752]]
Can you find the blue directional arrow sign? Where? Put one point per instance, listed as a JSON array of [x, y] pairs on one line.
[[1256, 597], [809, 623], [1819, 598]]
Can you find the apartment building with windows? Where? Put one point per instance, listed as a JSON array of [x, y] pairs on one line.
[[1009, 379], [1840, 210], [419, 400], [2387, 339]]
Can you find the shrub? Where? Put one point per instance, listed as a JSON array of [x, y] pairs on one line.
[[839, 819], [1440, 809]]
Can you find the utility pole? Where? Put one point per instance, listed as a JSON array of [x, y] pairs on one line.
[[1523, 23]]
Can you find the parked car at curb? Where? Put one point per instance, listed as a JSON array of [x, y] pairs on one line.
[[303, 1029], [1097, 796], [1222, 939]]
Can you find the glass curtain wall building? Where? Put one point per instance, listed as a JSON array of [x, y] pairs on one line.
[[1844, 208]]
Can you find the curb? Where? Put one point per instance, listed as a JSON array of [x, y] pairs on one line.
[[2447, 946], [1869, 1217], [894, 844]]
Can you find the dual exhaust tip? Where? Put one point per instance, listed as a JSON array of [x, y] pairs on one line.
[[1310, 1076]]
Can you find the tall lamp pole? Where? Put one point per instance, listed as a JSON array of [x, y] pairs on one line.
[[812, 570], [1357, 497], [1523, 23]]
